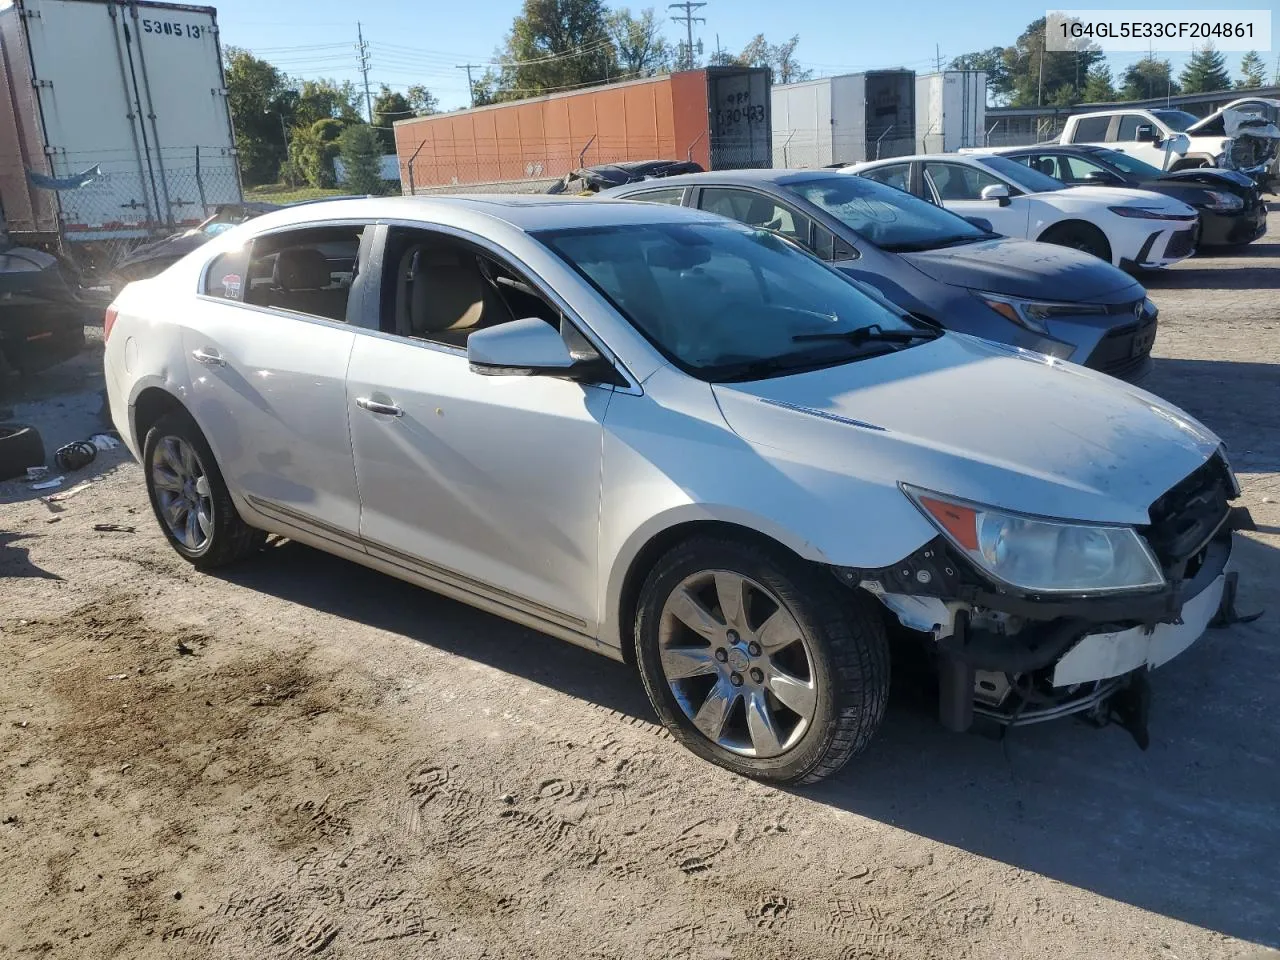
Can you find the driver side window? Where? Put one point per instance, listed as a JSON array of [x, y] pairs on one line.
[[756, 210], [441, 289]]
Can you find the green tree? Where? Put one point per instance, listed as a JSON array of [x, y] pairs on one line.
[[556, 45], [991, 62], [1148, 78], [1205, 72], [1099, 86], [422, 101], [778, 57], [1065, 96], [361, 151], [260, 108], [326, 100], [388, 107], [1253, 72], [642, 50], [314, 149]]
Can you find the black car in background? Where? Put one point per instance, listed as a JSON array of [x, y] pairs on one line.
[[1230, 204]]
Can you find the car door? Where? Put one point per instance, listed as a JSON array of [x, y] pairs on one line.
[[487, 485], [958, 187], [1136, 135], [267, 344]]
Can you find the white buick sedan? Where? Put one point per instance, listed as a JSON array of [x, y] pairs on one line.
[[681, 442]]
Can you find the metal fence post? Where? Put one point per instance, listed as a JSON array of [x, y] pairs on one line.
[[204, 205]]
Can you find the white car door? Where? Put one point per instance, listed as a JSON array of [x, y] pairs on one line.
[[267, 346], [489, 484], [959, 186], [1134, 134]]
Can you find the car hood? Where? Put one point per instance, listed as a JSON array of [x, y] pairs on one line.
[[1123, 196], [1210, 177], [1023, 268], [977, 420]]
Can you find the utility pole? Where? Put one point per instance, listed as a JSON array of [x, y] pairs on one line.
[[937, 49], [363, 49], [471, 87], [688, 20]]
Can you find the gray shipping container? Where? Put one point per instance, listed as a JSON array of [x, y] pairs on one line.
[[951, 110], [845, 119]]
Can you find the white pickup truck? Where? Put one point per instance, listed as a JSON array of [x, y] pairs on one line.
[[1235, 139]]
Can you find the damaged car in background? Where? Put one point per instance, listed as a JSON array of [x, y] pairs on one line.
[[687, 444], [42, 310]]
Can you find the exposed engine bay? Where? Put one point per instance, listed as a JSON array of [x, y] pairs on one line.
[[1016, 658], [1254, 142]]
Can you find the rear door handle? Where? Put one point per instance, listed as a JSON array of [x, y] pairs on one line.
[[208, 358], [373, 406]]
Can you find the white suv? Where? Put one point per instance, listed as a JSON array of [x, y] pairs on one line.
[[681, 442]]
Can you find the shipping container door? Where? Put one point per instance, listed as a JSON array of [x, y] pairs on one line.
[[90, 112], [188, 125], [738, 102]]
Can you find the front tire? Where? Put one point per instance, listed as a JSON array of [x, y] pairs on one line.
[[1084, 237], [760, 663], [190, 497]]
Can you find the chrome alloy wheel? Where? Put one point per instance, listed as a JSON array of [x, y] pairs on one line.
[[182, 491], [738, 663]]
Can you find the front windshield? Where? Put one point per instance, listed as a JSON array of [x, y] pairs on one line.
[[1176, 120], [1127, 164], [723, 301], [1032, 181], [888, 217]]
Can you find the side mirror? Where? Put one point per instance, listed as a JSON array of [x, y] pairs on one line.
[[1146, 133], [981, 224], [1102, 176], [533, 348], [997, 192], [1178, 143]]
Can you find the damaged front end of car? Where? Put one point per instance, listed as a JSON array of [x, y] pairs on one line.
[[1030, 619], [1253, 146]]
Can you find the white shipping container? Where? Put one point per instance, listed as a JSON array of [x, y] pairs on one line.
[[845, 119], [951, 110], [133, 89]]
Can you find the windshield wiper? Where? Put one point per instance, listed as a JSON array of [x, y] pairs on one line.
[[870, 334]]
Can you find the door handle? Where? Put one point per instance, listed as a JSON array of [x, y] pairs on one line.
[[207, 358], [384, 409]]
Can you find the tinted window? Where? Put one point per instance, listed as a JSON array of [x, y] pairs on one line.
[[1032, 181], [1129, 125], [892, 175], [1069, 168], [889, 218], [1176, 120], [1091, 130], [756, 210], [955, 181], [724, 301], [1130, 165], [671, 195], [304, 271], [830, 247]]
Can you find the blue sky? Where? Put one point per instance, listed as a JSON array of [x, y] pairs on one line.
[[412, 41]]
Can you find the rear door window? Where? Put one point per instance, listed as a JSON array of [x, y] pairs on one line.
[[1091, 130], [306, 271], [671, 195]]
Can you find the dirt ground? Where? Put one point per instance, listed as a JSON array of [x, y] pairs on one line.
[[301, 757]]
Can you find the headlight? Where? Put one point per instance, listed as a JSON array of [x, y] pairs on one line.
[[1035, 314], [1222, 202], [1043, 556], [1146, 213]]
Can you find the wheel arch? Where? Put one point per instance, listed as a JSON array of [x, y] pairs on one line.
[[1076, 223], [648, 546], [150, 402]]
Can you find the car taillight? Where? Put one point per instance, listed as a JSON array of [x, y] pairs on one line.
[[109, 321]]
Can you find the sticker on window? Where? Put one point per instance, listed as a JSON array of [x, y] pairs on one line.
[[231, 286]]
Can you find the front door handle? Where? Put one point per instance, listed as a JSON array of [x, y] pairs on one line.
[[209, 359], [373, 406]]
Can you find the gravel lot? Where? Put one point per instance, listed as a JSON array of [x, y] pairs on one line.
[[301, 757]]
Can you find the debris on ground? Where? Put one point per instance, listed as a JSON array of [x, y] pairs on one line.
[[113, 528]]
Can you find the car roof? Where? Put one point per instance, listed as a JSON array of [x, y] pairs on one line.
[[740, 178], [1053, 147], [953, 157], [526, 212]]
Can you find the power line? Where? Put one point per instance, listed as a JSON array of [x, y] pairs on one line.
[[688, 20]]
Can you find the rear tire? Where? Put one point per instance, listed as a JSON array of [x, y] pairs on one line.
[[190, 497], [791, 671], [20, 447], [1084, 237]]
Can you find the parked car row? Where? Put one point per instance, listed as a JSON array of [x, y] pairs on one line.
[[755, 436]]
